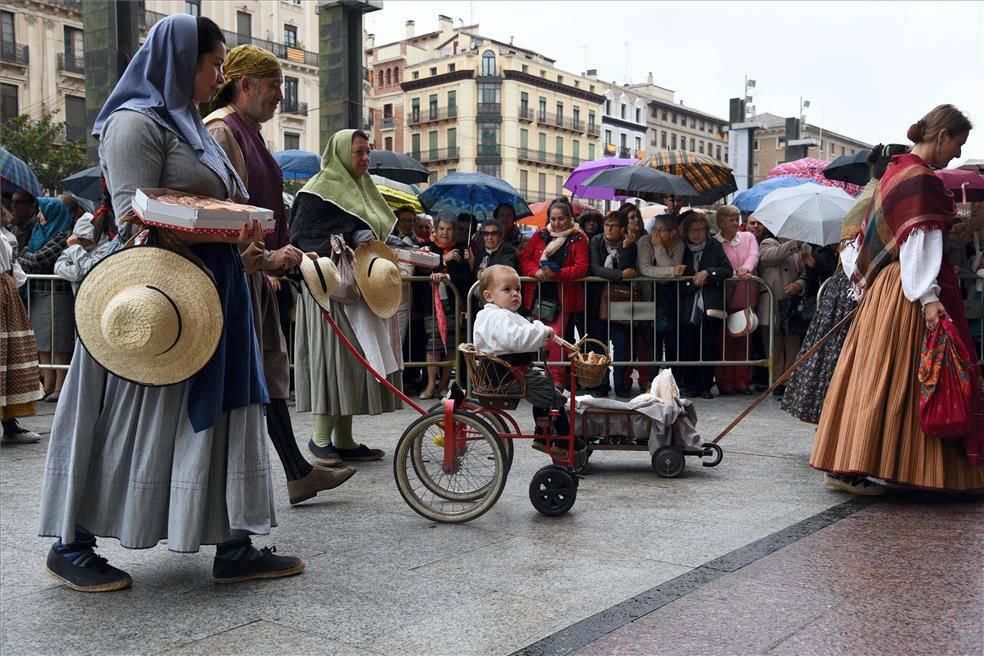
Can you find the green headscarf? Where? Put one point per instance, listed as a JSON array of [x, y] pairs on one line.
[[336, 184]]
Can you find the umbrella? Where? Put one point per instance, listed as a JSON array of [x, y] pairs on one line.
[[850, 168], [810, 168], [85, 184], [966, 185], [474, 193], [397, 166], [16, 175], [588, 169], [539, 217], [712, 179], [396, 194], [749, 200], [298, 164], [642, 182], [652, 210], [808, 212]]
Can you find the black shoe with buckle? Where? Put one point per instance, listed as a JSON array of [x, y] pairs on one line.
[[255, 564], [86, 572]]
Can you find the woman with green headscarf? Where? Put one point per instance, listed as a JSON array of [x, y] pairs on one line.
[[342, 200]]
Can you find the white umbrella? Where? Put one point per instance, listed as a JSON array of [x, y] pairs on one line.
[[808, 212]]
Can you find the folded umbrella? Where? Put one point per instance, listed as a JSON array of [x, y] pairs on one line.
[[711, 179], [587, 170], [642, 182], [298, 164], [85, 183], [750, 199], [966, 185], [475, 193], [850, 168], [808, 212], [16, 175], [397, 166]]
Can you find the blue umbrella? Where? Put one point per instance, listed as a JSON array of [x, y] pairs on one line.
[[298, 164], [748, 200], [16, 175], [475, 193]]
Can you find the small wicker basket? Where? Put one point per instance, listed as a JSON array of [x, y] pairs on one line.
[[590, 368]]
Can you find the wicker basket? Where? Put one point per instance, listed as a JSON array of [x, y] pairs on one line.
[[590, 368]]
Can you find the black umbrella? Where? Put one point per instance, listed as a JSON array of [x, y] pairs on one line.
[[85, 184], [850, 168], [641, 182], [397, 166]]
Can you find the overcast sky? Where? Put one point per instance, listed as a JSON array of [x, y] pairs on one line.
[[869, 69]]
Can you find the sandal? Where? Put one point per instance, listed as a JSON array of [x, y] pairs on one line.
[[427, 395]]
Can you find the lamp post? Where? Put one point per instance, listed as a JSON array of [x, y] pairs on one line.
[[749, 107]]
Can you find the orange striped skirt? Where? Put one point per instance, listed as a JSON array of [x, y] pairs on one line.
[[870, 420]]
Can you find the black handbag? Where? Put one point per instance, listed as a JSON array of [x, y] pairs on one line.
[[545, 309], [796, 313]]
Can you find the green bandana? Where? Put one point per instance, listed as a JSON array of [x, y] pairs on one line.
[[336, 184]]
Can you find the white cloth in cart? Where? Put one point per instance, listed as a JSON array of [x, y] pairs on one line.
[[665, 424]]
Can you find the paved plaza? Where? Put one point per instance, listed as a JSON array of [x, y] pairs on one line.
[[754, 556]]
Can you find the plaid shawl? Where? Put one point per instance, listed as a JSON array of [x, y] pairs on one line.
[[909, 197]]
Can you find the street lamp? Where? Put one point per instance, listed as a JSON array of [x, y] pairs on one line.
[[749, 107]]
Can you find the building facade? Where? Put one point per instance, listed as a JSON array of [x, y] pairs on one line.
[[623, 120], [42, 64]]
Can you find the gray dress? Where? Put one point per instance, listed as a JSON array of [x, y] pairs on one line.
[[124, 460]]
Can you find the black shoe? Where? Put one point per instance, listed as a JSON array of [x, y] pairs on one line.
[[262, 564], [361, 453], [324, 455], [87, 572], [706, 394], [779, 392]]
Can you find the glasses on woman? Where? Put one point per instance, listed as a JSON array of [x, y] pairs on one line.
[[490, 233]]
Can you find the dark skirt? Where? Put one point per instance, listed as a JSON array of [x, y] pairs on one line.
[[807, 388]]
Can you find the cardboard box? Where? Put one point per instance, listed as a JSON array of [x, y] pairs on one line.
[[419, 257], [219, 217]]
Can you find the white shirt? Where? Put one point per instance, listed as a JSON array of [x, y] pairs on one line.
[[499, 331], [8, 245], [920, 258]]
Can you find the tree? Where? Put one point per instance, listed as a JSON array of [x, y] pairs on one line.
[[37, 143]]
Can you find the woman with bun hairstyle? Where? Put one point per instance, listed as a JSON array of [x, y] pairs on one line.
[[869, 427]]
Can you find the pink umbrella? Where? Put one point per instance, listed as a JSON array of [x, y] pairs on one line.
[[967, 186], [810, 168], [588, 169]]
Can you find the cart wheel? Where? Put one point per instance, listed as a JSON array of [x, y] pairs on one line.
[[473, 406], [711, 449], [668, 461], [467, 492], [553, 490]]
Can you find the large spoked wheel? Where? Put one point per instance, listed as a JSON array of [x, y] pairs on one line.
[[455, 494], [553, 490], [668, 461], [473, 406]]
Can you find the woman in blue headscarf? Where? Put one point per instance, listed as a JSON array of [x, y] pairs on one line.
[[50, 298], [186, 463]]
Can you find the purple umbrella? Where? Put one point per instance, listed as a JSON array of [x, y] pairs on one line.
[[586, 170]]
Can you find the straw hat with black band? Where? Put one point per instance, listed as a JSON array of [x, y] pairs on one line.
[[149, 316], [377, 274], [322, 279]]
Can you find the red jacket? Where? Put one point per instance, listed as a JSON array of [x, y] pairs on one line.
[[575, 267]]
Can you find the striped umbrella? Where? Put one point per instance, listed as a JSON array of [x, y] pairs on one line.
[[712, 179], [16, 175], [810, 168], [398, 194]]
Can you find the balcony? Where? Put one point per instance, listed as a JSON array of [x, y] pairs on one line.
[[432, 114], [70, 63], [387, 123], [436, 154], [531, 196], [525, 113], [550, 159], [593, 130], [489, 150], [294, 107], [561, 122], [14, 53], [489, 109]]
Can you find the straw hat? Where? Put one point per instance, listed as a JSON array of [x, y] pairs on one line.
[[743, 322], [149, 315], [322, 279], [377, 274]]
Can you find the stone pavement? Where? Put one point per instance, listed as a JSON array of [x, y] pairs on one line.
[[754, 556]]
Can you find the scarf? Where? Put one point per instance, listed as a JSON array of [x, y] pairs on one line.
[[611, 262], [54, 218], [909, 197], [557, 242], [158, 83], [855, 216], [336, 184]]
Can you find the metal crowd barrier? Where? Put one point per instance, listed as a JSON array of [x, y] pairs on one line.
[[53, 281]]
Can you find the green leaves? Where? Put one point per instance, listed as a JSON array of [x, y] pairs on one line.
[[42, 145]]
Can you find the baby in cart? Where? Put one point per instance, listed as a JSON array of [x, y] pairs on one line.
[[501, 331]]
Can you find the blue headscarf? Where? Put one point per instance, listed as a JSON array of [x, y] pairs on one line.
[[159, 83], [56, 219]]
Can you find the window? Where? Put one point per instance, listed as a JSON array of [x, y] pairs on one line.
[[755, 144], [608, 137], [560, 79], [75, 118], [290, 36], [700, 147], [591, 121], [780, 142], [576, 151], [718, 153], [290, 94], [388, 110], [8, 101], [415, 146], [701, 126], [842, 150], [432, 144], [488, 94], [488, 136], [692, 144], [662, 139], [244, 23], [559, 185], [415, 75], [623, 140], [488, 63], [683, 143], [622, 111], [74, 54], [693, 122], [638, 115], [638, 142], [524, 104], [379, 76], [524, 181], [542, 139], [591, 151], [673, 142], [560, 113], [664, 117], [433, 70], [292, 141], [833, 148], [577, 118], [452, 140], [389, 77], [451, 68], [524, 143], [388, 143], [543, 109], [432, 106], [673, 115], [452, 103], [608, 107], [414, 110], [525, 68], [194, 8], [559, 147], [541, 180]]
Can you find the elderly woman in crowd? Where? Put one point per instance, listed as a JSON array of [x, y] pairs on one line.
[[743, 253], [661, 256], [556, 256], [702, 300], [781, 267]]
